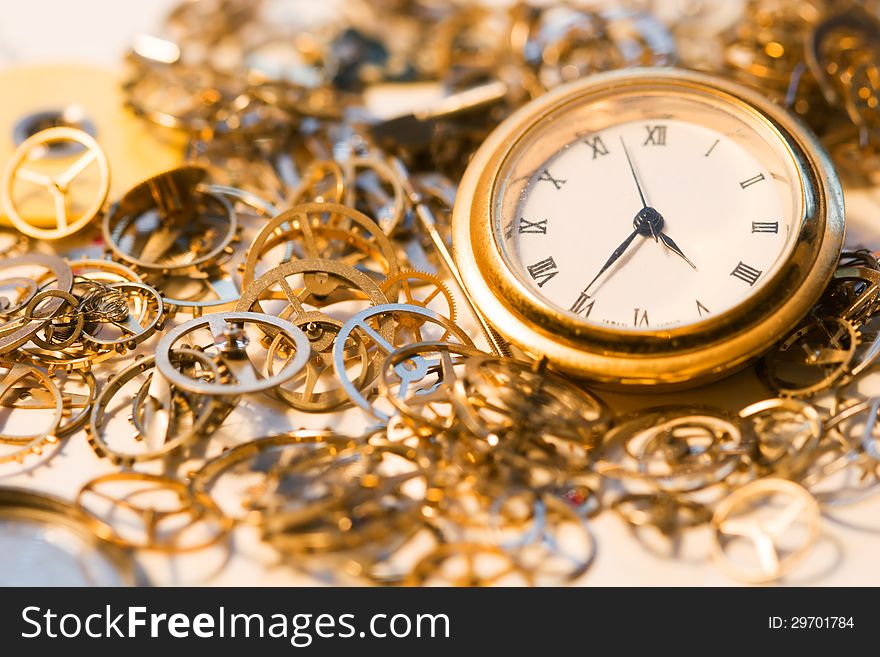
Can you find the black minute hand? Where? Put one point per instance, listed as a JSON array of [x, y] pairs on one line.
[[614, 256], [635, 176]]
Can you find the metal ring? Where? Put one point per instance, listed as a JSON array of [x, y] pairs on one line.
[[217, 323], [385, 345], [63, 280]]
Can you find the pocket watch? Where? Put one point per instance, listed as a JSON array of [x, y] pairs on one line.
[[648, 227]]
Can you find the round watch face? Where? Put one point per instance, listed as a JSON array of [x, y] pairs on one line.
[[648, 210]]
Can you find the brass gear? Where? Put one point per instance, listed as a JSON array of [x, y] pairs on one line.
[[403, 280], [830, 361]]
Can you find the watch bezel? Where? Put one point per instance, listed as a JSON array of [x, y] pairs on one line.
[[688, 353]]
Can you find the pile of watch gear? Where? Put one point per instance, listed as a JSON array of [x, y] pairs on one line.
[[300, 257]]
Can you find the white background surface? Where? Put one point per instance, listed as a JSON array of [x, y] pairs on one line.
[[98, 32]]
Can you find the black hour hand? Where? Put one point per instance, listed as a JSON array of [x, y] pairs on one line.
[[614, 257], [672, 246]]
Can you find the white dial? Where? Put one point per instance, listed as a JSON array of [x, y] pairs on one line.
[[653, 222]]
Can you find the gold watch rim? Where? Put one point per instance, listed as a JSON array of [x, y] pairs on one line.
[[687, 354]]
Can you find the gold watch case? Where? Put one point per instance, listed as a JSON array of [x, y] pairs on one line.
[[681, 356]]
